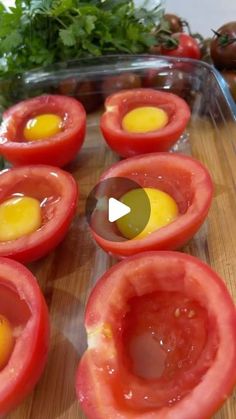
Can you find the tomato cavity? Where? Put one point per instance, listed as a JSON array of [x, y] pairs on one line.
[[165, 347], [144, 119]]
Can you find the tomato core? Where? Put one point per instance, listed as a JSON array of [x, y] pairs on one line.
[[145, 119], [42, 126], [6, 341], [19, 216], [164, 210]]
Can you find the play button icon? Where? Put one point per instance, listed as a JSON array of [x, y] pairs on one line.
[[109, 217], [116, 210]]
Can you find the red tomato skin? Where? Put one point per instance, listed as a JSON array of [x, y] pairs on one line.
[[130, 144], [58, 150], [188, 47], [96, 398], [37, 350], [179, 232], [40, 243]]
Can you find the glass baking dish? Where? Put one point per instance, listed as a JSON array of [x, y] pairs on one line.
[[68, 274]]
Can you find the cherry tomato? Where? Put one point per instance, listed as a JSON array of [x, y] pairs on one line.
[[174, 22], [187, 47], [183, 178], [223, 47], [112, 84], [23, 305], [58, 149], [230, 78], [164, 344], [129, 144], [56, 192]]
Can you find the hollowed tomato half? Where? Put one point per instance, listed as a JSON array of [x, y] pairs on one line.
[[185, 179], [24, 308], [164, 344], [128, 144], [57, 193], [58, 149]]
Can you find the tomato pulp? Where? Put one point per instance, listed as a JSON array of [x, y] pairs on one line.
[[163, 346], [23, 305], [58, 149], [128, 143], [185, 179], [57, 193]]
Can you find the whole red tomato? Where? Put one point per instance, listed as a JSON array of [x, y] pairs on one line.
[[187, 47], [223, 47], [23, 305], [164, 344]]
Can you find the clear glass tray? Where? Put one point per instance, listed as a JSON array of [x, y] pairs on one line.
[[68, 274]]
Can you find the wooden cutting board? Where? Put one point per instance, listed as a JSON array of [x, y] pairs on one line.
[[67, 275]]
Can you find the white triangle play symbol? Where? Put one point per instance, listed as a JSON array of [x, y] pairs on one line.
[[116, 210]]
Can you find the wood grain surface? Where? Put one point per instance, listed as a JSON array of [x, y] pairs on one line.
[[67, 274]]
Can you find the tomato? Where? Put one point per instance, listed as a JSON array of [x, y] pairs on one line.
[[187, 47], [230, 78], [163, 345], [22, 303], [112, 84], [174, 22], [223, 47], [57, 193], [172, 80], [86, 91], [183, 178], [129, 144], [57, 150]]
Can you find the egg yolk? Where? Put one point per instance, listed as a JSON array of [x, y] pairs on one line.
[[42, 126], [145, 119], [164, 210], [6, 341], [19, 216]]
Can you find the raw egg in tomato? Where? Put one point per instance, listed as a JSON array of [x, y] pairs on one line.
[[145, 119], [6, 341], [43, 126], [19, 215]]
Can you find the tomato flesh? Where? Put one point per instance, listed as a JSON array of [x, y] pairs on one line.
[[59, 148], [164, 344], [118, 105]]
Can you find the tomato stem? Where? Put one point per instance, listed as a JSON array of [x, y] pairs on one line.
[[224, 39]]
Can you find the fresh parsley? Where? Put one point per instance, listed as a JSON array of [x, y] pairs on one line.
[[42, 32]]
